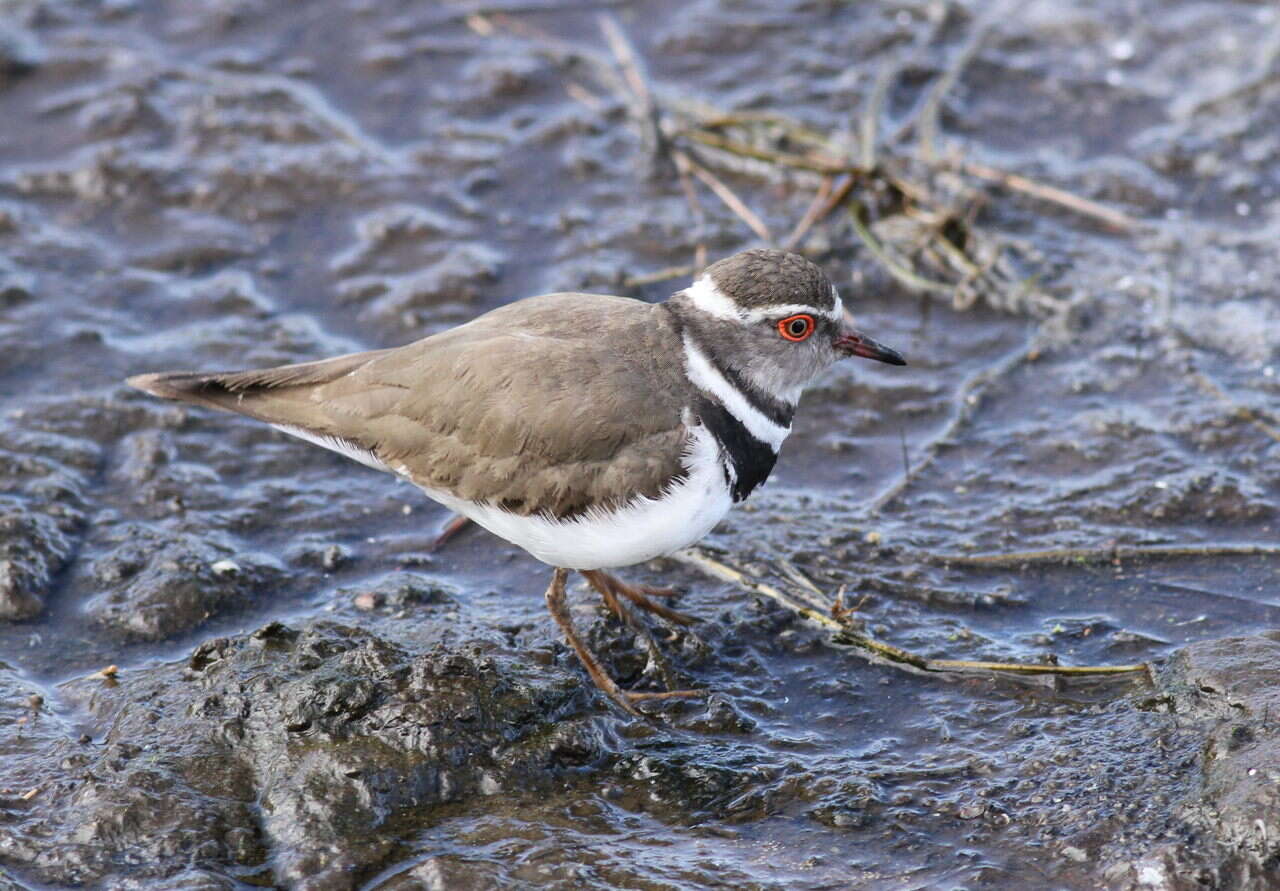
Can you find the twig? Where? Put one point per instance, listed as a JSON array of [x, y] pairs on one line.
[[579, 93], [871, 114], [782, 159], [878, 651], [837, 193], [732, 201], [810, 214], [791, 127], [927, 130], [643, 106], [479, 24], [627, 59], [1102, 555], [695, 207], [1113, 219], [816, 598], [890, 263], [659, 275]]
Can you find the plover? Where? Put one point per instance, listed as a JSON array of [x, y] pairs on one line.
[[594, 432]]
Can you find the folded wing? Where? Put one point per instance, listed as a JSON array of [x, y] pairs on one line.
[[528, 407]]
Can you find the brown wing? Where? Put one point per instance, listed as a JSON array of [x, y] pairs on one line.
[[557, 403]]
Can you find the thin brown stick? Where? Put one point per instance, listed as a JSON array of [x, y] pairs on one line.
[[695, 207], [628, 61], [644, 109], [871, 114], [927, 129], [782, 159], [890, 262], [1102, 555], [731, 201], [793, 128], [1109, 217], [581, 94], [658, 275], [810, 214], [815, 597], [878, 651], [837, 194]]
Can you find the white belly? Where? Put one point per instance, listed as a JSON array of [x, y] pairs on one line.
[[641, 530]]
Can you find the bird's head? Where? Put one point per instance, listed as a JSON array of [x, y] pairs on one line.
[[774, 318]]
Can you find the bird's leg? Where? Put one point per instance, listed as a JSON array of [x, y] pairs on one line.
[[609, 587], [613, 603], [641, 630], [452, 528], [560, 612], [637, 594], [651, 590]]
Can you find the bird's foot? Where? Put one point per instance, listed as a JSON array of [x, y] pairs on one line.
[[624, 699]]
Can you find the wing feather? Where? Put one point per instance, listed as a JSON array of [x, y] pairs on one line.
[[556, 404]]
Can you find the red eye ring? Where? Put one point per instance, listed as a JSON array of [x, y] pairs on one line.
[[796, 328]]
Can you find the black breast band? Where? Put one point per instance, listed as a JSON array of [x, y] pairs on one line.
[[752, 459]]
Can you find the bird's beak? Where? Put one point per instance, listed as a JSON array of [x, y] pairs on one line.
[[854, 343]]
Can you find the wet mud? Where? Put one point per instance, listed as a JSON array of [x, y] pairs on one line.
[[305, 694]]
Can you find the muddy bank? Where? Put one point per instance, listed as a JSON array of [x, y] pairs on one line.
[[1226, 689], [324, 754], [306, 692]]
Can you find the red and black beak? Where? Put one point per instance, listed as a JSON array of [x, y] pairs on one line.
[[855, 343]]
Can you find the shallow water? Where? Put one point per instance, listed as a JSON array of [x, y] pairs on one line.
[[237, 184]]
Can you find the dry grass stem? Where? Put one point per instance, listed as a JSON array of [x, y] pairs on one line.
[[947, 254], [810, 215], [927, 129], [659, 275], [1109, 217], [878, 651], [893, 265], [731, 201], [1107, 554], [771, 156]]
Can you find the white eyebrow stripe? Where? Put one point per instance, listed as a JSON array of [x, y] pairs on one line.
[[707, 378], [711, 300], [706, 297], [790, 309]]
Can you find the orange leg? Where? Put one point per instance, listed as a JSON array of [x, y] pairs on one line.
[[560, 612], [637, 594]]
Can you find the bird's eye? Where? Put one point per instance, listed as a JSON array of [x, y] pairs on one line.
[[796, 328]]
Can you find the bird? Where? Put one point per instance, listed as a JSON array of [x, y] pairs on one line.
[[595, 432]]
